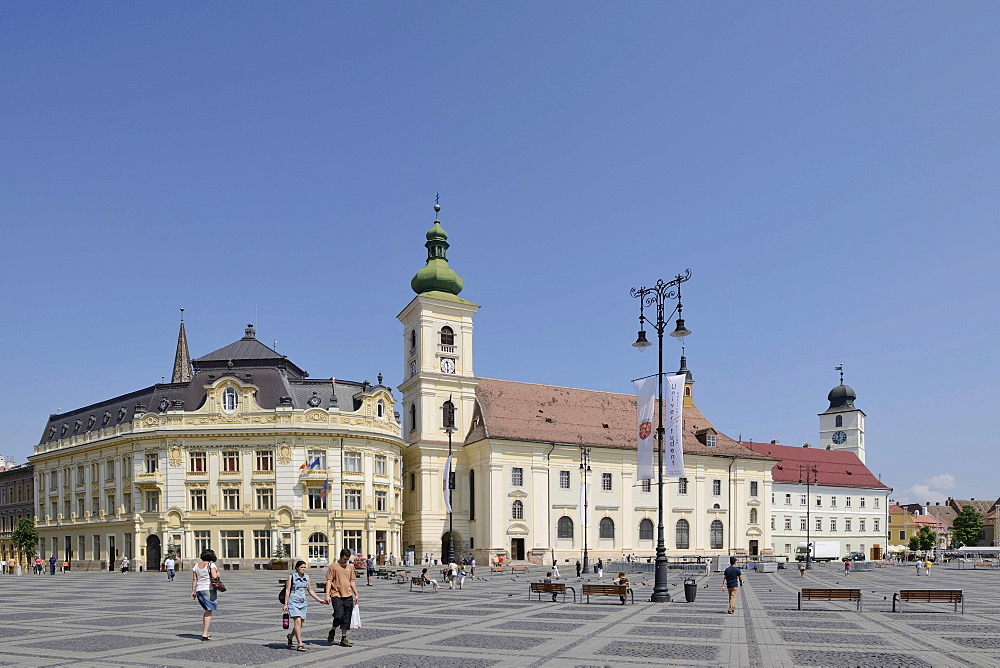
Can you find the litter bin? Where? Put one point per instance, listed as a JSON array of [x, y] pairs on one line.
[[690, 589]]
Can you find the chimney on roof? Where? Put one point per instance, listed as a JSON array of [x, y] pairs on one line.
[[773, 442], [806, 445], [828, 447]]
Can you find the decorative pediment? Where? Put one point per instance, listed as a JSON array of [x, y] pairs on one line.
[[517, 530], [518, 494]]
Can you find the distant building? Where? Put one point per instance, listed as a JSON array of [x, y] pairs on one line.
[[905, 523], [17, 500], [240, 452]]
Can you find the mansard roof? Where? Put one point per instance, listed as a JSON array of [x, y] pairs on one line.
[[836, 468], [248, 352], [546, 413]]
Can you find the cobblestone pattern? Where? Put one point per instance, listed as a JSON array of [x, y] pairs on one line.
[[650, 650], [860, 659]]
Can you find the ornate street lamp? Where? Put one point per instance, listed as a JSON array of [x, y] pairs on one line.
[[808, 475], [584, 473], [658, 295], [449, 428]]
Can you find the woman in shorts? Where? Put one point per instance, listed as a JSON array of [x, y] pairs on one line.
[[201, 589]]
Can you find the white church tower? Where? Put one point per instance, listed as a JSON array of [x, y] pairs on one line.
[[842, 426]]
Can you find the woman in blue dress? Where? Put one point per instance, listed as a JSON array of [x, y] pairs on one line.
[[296, 588]]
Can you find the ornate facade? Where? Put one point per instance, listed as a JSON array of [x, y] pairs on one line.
[[241, 452], [16, 501]]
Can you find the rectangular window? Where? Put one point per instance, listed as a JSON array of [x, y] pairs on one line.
[[261, 543], [317, 499], [803, 500], [647, 485], [753, 488], [710, 440], [564, 480], [230, 461], [199, 499], [96, 552], [81, 547], [413, 482], [902, 535], [66, 510], [95, 505], [716, 488], [109, 473], [81, 476], [152, 502], [788, 524], [862, 502], [819, 524], [264, 461], [316, 460], [127, 502], [847, 501], [151, 464], [264, 498], [80, 508], [788, 548], [232, 544], [847, 548], [606, 482], [352, 461], [876, 501], [833, 524], [517, 476], [197, 462], [833, 502], [875, 522], [202, 541], [95, 476], [231, 499], [352, 540], [352, 499], [788, 499], [847, 525], [772, 524], [682, 485], [819, 500], [861, 525], [381, 465], [381, 501]]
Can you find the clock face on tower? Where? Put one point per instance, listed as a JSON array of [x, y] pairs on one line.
[[839, 437], [447, 365]]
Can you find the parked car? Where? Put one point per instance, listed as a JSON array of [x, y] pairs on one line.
[[855, 556]]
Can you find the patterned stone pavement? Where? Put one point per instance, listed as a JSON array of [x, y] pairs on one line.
[[140, 619]]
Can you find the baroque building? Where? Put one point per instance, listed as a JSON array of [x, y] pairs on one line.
[[518, 451], [16, 501], [240, 452]]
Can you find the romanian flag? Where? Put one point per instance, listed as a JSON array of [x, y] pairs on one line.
[[326, 485], [313, 464]]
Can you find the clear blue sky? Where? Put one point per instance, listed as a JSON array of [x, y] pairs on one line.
[[829, 172]]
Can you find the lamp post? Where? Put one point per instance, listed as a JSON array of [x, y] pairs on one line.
[[584, 471], [658, 296], [807, 476], [449, 428]]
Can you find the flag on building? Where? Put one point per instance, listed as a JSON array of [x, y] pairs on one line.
[[326, 486], [445, 485], [674, 418], [582, 508], [310, 464], [645, 402]]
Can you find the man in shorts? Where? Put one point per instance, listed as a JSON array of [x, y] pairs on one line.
[[342, 593]]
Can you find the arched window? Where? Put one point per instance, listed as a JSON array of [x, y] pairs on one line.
[[687, 391], [380, 409], [715, 535], [607, 528], [447, 336], [472, 495], [646, 529], [229, 400], [318, 547], [413, 339], [839, 421], [448, 415], [413, 417], [682, 535], [753, 516], [564, 529], [517, 510]]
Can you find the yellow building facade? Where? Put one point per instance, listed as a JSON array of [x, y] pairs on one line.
[[240, 453]]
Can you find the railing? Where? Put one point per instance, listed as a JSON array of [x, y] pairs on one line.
[[443, 348]]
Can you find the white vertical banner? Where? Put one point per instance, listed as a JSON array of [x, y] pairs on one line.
[[584, 494], [645, 402], [445, 486], [674, 418]]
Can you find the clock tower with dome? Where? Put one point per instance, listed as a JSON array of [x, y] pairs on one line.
[[842, 426]]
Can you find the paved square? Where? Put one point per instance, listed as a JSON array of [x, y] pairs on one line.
[[140, 619]]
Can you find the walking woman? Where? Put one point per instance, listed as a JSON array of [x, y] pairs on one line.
[[296, 587], [201, 589]]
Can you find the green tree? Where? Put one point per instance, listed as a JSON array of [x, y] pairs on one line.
[[926, 538], [967, 527], [914, 543], [25, 538]]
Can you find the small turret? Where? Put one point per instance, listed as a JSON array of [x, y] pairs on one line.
[[437, 276]]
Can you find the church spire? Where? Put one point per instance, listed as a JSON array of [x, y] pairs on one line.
[[437, 276], [182, 360]]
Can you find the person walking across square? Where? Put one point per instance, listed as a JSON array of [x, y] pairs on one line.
[[296, 587], [342, 593], [169, 565], [734, 580]]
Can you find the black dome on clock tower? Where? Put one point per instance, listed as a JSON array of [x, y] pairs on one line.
[[841, 399]]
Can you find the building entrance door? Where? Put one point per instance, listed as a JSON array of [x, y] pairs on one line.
[[153, 553], [753, 548], [112, 553], [517, 549]]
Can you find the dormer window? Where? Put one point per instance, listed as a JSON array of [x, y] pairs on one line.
[[380, 409], [710, 440], [230, 400], [447, 336]]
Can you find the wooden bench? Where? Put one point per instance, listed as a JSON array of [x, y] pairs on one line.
[[401, 577], [517, 570], [830, 595], [982, 564], [383, 573], [553, 588], [419, 581], [608, 590], [929, 596], [497, 570]]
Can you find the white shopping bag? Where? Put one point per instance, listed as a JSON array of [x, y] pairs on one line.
[[356, 617]]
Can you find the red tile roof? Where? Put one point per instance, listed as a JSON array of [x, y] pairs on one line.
[[528, 412], [836, 468]]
